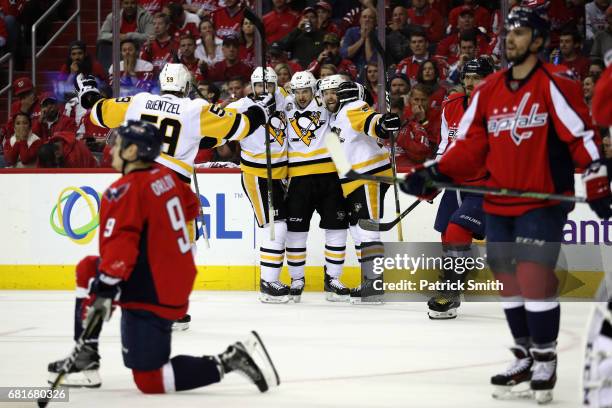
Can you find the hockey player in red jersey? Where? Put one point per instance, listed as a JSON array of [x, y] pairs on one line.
[[460, 216], [146, 265], [529, 127]]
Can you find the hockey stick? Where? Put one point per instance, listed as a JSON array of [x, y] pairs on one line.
[[250, 15], [373, 225], [200, 212], [381, 52], [345, 171], [96, 319]]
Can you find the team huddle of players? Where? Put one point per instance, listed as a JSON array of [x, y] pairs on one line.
[[529, 114]]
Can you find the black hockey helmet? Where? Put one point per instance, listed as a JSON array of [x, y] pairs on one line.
[[532, 17], [480, 66], [143, 134]]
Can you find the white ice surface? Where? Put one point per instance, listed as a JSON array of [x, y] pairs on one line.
[[327, 354]]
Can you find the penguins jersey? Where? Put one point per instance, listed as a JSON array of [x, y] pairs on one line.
[[183, 123], [306, 129], [253, 148], [355, 125]]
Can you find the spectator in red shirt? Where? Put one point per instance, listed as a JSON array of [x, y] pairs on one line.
[[449, 46], [276, 55], [247, 43], [280, 21], [324, 21], [331, 55], [283, 74], [422, 14], [563, 14], [136, 24], [588, 85], [227, 20], [21, 148], [79, 61], [409, 66], [136, 75], [230, 67], [161, 49], [209, 46], [181, 21], [414, 146], [27, 102], [64, 150], [570, 44], [429, 76], [419, 111], [481, 15], [187, 48], [51, 120], [596, 67]]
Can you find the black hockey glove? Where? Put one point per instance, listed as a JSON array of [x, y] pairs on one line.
[[348, 91], [387, 124], [418, 181], [597, 186], [105, 290], [87, 90]]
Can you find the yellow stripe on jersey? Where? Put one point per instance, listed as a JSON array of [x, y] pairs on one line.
[[283, 91], [299, 169], [372, 191], [350, 186], [363, 119], [178, 162], [375, 159], [278, 173], [110, 113], [263, 155], [222, 124], [309, 154]]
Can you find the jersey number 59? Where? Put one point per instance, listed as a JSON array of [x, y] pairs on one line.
[[170, 130]]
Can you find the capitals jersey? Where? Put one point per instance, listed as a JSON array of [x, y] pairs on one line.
[[306, 130], [355, 125], [183, 123], [453, 109], [253, 148], [528, 134], [148, 246]]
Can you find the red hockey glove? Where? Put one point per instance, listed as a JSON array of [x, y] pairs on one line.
[[597, 186]]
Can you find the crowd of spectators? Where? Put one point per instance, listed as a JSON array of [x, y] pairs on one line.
[[427, 41]]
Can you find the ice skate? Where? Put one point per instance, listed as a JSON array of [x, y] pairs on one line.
[[296, 289], [513, 383], [84, 371], [335, 291], [273, 292], [251, 359], [182, 324], [366, 293], [597, 381], [443, 306], [544, 374]]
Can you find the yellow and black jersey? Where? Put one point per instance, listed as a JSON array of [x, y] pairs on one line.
[[183, 123], [355, 125], [306, 130], [253, 148]]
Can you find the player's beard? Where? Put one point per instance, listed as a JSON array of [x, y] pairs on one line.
[[518, 59]]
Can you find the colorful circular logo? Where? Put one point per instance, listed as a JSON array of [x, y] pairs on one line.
[[65, 204]]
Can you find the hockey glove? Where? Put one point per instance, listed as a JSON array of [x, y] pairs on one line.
[[268, 103], [387, 124], [87, 90], [597, 187], [418, 181], [104, 289]]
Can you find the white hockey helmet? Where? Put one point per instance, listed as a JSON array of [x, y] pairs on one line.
[[175, 78], [331, 82], [257, 76], [303, 79]]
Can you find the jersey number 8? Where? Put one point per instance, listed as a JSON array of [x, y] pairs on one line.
[[170, 130]]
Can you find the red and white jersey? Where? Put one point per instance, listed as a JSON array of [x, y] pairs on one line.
[[226, 24], [144, 240], [159, 53], [453, 109], [602, 108], [528, 134]]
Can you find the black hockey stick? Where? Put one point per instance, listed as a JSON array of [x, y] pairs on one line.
[[345, 171], [200, 212], [373, 225], [93, 323], [253, 18], [381, 52]]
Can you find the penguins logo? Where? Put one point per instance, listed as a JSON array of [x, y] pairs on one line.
[[277, 127], [306, 124]]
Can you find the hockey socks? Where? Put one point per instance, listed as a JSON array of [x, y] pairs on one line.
[[181, 373]]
